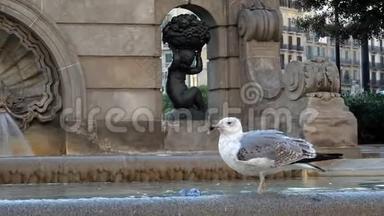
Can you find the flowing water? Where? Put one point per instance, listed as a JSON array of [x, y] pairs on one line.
[[12, 140]]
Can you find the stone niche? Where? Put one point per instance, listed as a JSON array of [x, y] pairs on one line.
[[30, 87], [40, 76]]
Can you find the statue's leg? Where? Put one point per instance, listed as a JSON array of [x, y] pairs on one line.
[[195, 96], [199, 101]]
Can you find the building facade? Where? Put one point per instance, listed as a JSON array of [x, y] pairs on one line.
[[300, 46]]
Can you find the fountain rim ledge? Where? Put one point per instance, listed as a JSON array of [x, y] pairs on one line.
[[152, 168], [333, 203]]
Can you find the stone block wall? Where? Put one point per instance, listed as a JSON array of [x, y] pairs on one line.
[[108, 56], [118, 46]]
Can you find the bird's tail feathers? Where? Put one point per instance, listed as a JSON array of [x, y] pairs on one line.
[[318, 158], [322, 157]]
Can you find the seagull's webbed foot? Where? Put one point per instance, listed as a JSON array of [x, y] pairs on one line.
[[261, 187]]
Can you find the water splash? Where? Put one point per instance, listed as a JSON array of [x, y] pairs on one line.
[[12, 140]]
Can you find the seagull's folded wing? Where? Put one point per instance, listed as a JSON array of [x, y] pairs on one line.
[[274, 145]]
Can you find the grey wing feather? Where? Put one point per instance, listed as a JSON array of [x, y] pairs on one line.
[[274, 145]]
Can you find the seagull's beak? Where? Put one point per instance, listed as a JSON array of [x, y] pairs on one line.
[[213, 127]]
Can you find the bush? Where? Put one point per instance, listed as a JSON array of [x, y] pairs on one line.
[[369, 111]]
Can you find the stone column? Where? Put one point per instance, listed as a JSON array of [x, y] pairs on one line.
[[306, 104]]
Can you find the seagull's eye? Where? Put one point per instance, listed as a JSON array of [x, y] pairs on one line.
[[229, 123]]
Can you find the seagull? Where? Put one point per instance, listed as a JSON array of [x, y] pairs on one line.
[[265, 152]]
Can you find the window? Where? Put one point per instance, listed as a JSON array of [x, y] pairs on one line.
[[168, 58], [290, 5], [282, 61], [346, 55], [287, 3], [298, 42], [290, 42], [373, 60], [322, 52], [382, 61], [282, 42], [381, 78], [289, 58], [373, 77], [354, 57], [289, 23], [309, 52], [381, 45], [347, 77], [299, 58], [318, 51]]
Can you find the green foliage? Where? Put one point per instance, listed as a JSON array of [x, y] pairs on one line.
[[369, 111], [343, 18], [327, 20], [204, 90], [167, 103], [366, 18]]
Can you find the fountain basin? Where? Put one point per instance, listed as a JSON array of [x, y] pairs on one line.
[[312, 196]]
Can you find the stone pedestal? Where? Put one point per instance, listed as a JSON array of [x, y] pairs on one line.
[[189, 136], [333, 124]]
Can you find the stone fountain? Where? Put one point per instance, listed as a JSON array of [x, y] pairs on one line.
[[44, 92], [83, 85]]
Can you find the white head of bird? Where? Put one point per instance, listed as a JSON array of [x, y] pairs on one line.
[[229, 126]]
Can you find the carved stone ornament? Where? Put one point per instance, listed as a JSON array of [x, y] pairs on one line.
[[29, 78], [316, 76], [259, 23]]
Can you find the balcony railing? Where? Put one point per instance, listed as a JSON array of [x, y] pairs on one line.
[[356, 43], [346, 61], [374, 66], [291, 47], [300, 48], [375, 49], [292, 29], [347, 82], [374, 83]]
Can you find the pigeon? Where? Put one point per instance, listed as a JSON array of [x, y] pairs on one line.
[[265, 152]]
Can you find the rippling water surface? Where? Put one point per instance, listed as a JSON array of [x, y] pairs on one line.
[[172, 189]]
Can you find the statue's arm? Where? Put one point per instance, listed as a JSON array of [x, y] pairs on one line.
[[176, 59], [199, 64]]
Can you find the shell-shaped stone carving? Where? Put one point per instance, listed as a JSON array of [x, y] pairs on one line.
[[310, 77], [259, 24], [29, 78]]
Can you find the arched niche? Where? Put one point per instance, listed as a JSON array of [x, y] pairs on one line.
[[222, 50], [73, 83]]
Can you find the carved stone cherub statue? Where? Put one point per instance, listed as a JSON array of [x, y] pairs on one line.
[[186, 35]]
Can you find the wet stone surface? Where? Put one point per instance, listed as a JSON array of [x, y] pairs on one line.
[[311, 196]]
